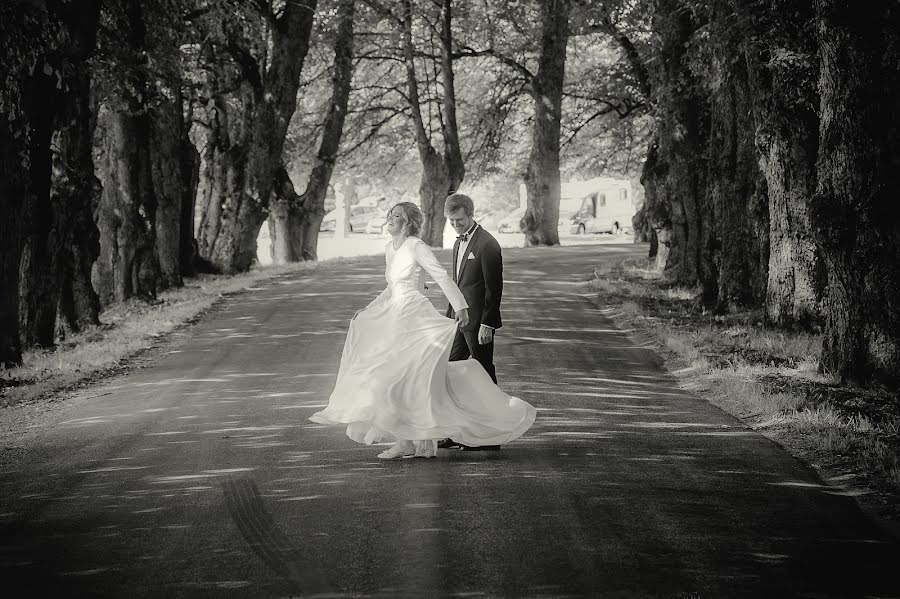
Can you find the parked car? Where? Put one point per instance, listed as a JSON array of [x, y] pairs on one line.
[[359, 218], [510, 223], [329, 221], [488, 220], [376, 225]]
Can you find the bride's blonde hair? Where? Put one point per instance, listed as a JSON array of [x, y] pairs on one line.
[[413, 217]]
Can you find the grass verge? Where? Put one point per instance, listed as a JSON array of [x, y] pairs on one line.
[[128, 330], [767, 378]]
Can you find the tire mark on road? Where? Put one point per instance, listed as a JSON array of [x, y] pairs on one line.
[[298, 568]]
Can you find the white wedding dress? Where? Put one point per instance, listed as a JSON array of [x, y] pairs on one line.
[[395, 381]]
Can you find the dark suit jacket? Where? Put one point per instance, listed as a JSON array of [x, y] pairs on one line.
[[480, 279]]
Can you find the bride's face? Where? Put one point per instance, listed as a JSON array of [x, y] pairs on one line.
[[395, 221]]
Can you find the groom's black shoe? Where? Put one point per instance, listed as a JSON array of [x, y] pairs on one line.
[[481, 448], [449, 444]]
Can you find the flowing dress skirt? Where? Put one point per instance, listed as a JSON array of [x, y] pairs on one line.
[[395, 382]]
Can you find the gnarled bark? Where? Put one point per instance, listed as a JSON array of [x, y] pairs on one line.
[[655, 211], [13, 202], [61, 178], [783, 96], [128, 265], [240, 166], [542, 182], [682, 125], [788, 161], [294, 220], [168, 185], [43, 241], [285, 221], [736, 194], [854, 210], [190, 170], [76, 194]]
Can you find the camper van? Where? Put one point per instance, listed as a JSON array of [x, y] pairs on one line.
[[604, 211], [598, 205]]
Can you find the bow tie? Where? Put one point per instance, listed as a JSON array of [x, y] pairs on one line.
[[464, 237]]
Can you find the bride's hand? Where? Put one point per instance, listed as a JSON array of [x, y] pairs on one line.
[[462, 317]]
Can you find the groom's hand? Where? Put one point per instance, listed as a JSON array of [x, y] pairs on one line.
[[485, 335], [462, 317]]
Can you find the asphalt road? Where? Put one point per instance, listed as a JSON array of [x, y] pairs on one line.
[[200, 476]]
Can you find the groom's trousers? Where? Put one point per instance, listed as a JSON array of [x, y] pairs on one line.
[[465, 344]]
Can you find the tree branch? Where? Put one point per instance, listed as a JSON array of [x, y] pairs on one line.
[[247, 64], [522, 69], [638, 67]]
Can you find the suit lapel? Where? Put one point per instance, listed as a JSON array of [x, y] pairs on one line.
[[469, 249], [455, 260]]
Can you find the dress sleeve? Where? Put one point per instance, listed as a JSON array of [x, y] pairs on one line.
[[425, 258]]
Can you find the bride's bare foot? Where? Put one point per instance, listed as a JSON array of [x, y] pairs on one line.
[[400, 449]]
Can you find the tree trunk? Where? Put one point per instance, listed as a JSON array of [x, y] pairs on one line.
[[243, 171], [34, 230], [736, 194], [76, 193], [655, 211], [434, 187], [40, 266], [788, 161], [456, 169], [441, 174], [783, 97], [853, 212], [285, 221], [128, 265], [294, 221], [190, 170], [682, 122], [168, 185], [13, 199], [542, 185]]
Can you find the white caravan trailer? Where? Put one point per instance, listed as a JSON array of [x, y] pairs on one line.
[[606, 208], [599, 205]]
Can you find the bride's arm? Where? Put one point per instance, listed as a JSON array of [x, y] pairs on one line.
[[382, 297], [425, 258]]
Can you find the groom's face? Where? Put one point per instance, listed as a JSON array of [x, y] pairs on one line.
[[460, 221]]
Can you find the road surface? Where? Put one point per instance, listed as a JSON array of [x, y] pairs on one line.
[[200, 476]]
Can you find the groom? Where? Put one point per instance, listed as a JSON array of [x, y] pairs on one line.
[[478, 271]]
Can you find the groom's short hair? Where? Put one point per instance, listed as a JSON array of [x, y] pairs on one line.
[[459, 200]]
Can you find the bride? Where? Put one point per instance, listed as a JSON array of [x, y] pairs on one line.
[[395, 382]]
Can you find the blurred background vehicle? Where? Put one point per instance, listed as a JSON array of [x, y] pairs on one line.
[[360, 216], [566, 224], [601, 213], [376, 225], [489, 219], [510, 223]]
